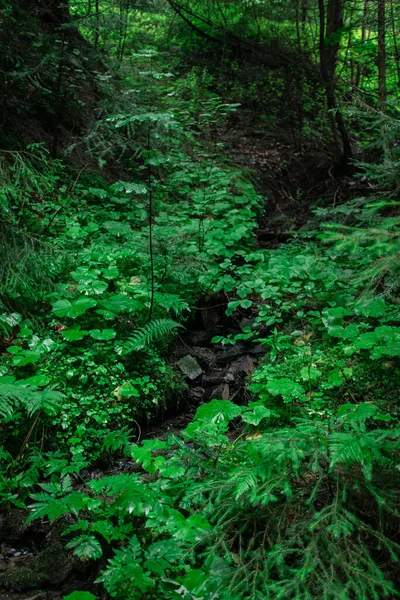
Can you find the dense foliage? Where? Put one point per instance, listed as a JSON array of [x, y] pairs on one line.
[[121, 210]]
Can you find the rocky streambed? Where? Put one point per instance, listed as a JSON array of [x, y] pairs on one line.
[[34, 564]]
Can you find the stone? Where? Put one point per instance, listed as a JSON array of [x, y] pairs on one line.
[[51, 567], [211, 318], [221, 392], [228, 353], [190, 367], [205, 356], [13, 525], [196, 338], [242, 366], [257, 350], [214, 378], [23, 579], [246, 323], [196, 394]]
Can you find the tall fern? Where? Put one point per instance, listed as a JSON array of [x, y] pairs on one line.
[[13, 397], [142, 338]]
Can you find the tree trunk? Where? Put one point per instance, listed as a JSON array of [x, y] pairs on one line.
[[396, 47], [381, 55], [328, 58], [97, 26], [363, 37]]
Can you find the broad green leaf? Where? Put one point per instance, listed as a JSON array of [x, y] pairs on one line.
[[104, 334], [374, 307], [310, 373], [194, 580], [130, 188], [218, 411], [356, 413], [257, 414], [121, 303], [74, 333], [65, 308], [117, 228], [37, 380], [96, 287], [110, 272], [39, 345], [80, 596], [25, 357]]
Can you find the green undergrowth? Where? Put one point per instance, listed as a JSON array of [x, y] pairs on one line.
[[85, 354], [295, 494], [292, 496]]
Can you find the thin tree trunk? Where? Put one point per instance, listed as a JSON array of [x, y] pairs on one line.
[[298, 35], [58, 95], [396, 47], [382, 54], [328, 58], [125, 33], [97, 26], [363, 37]]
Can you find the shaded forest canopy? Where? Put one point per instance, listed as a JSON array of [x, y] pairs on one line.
[[199, 299]]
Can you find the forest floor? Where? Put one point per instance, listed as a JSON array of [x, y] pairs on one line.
[[290, 176]]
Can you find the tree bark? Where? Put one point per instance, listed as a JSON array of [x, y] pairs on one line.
[[363, 37], [97, 25], [396, 47], [382, 54], [330, 25]]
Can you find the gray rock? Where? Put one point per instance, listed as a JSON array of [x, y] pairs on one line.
[[196, 394], [221, 392], [205, 356], [228, 353], [246, 323], [242, 366], [197, 338], [190, 367], [211, 318], [50, 567], [214, 378], [257, 350]]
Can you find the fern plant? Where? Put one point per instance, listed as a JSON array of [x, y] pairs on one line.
[[155, 331], [28, 263], [302, 512], [28, 398]]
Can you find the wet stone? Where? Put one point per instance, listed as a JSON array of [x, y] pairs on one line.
[[214, 378], [246, 323], [257, 350], [227, 354], [242, 366], [50, 567], [196, 338], [190, 367], [196, 394], [205, 356], [221, 392]]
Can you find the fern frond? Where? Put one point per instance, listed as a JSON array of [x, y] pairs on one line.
[[245, 482], [154, 331], [32, 400]]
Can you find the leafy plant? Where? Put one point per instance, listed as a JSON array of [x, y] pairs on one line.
[[153, 331]]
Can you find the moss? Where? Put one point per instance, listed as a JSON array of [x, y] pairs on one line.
[[23, 579], [51, 568]]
